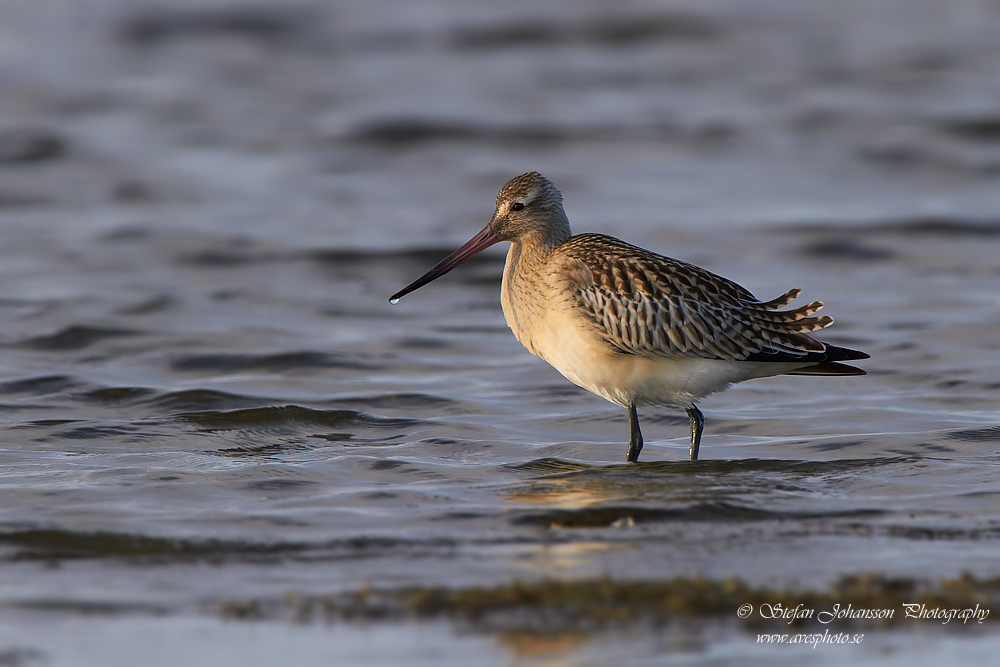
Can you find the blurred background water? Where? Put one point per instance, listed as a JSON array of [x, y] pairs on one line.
[[206, 396]]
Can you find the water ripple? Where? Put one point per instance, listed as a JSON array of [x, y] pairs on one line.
[[285, 417]]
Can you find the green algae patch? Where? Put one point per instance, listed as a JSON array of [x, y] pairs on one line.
[[867, 600]]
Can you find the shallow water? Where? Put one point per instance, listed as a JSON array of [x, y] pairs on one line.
[[206, 395]]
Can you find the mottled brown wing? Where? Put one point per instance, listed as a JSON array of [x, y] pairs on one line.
[[654, 306]]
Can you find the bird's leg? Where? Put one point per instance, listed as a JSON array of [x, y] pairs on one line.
[[635, 439], [697, 425]]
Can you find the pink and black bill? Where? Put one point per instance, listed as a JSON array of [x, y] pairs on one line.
[[477, 244]]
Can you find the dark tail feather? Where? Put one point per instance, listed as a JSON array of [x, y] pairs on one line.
[[828, 362], [828, 354], [834, 353], [829, 368]]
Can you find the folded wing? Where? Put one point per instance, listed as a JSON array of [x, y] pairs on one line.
[[654, 306]]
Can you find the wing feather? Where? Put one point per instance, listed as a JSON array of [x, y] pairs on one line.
[[653, 306]]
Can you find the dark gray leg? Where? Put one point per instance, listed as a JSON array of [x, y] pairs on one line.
[[635, 439], [697, 426]]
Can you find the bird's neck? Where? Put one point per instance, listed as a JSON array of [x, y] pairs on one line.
[[535, 245], [524, 276], [530, 251], [523, 286]]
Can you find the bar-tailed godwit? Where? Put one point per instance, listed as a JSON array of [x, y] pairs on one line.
[[632, 326]]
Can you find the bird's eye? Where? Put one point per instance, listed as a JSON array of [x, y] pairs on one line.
[[517, 206]]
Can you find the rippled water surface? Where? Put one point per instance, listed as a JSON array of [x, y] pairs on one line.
[[206, 396]]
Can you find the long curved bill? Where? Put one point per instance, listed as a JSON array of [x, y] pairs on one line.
[[477, 244]]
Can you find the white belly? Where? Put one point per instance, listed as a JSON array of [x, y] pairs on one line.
[[574, 348]]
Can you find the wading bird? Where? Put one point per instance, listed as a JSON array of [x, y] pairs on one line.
[[632, 326]]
